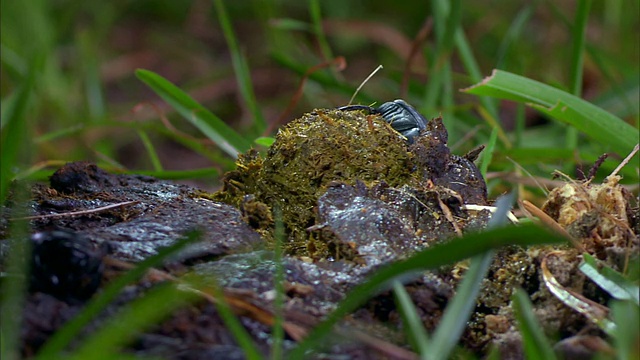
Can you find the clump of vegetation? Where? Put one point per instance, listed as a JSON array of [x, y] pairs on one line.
[[310, 153]]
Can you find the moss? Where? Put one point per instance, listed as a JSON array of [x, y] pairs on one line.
[[308, 154]]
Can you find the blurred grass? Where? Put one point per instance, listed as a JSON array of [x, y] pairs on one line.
[[90, 53], [62, 338], [536, 345], [431, 258], [69, 90]]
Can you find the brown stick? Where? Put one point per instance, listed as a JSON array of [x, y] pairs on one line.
[[81, 212]]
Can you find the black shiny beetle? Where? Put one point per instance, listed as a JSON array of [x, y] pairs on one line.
[[401, 116]]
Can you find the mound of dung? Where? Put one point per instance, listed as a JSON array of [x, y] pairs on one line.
[[328, 146], [308, 154]]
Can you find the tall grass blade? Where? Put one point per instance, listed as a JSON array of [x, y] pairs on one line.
[[610, 280], [414, 329], [63, 337], [627, 335], [577, 50], [577, 61], [513, 33], [454, 250], [14, 136], [153, 155], [214, 128], [14, 285], [447, 22], [461, 306], [536, 345], [238, 331], [562, 106], [140, 314], [241, 68], [316, 21], [15, 152]]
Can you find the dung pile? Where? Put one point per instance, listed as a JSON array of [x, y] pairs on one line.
[[328, 146]]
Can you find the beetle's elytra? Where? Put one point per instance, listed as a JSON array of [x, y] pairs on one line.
[[401, 116]]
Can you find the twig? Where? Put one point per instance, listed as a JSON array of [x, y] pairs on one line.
[[626, 160], [492, 209], [551, 223], [82, 212], [364, 82]]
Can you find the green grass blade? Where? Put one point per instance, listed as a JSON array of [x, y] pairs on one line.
[[627, 333], [512, 34], [241, 68], [577, 62], [461, 306], [12, 63], [14, 286], [133, 319], [472, 67], [289, 24], [562, 106], [93, 86], [241, 335], [14, 136], [212, 126], [604, 128], [265, 141], [277, 330], [148, 145], [487, 153], [447, 22], [536, 345], [414, 329], [63, 337], [610, 280], [316, 21], [454, 250], [577, 51], [60, 133]]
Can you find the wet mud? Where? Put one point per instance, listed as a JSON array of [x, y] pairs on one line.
[[352, 194]]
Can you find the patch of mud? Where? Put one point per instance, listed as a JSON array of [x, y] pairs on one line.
[[354, 196]]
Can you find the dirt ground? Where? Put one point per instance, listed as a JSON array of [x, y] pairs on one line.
[[344, 217]]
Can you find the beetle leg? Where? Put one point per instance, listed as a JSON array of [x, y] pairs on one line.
[[411, 134], [365, 108]]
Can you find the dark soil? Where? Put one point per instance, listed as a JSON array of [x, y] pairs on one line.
[[354, 225]]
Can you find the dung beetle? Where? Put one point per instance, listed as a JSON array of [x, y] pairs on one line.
[[401, 116]]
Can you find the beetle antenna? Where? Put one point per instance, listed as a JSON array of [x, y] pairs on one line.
[[364, 82]]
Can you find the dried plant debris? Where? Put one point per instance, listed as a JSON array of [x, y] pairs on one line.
[[599, 215], [602, 221], [346, 146]]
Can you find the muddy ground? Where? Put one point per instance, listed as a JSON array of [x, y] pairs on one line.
[[345, 214]]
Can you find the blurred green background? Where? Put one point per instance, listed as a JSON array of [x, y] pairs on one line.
[[85, 103]]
